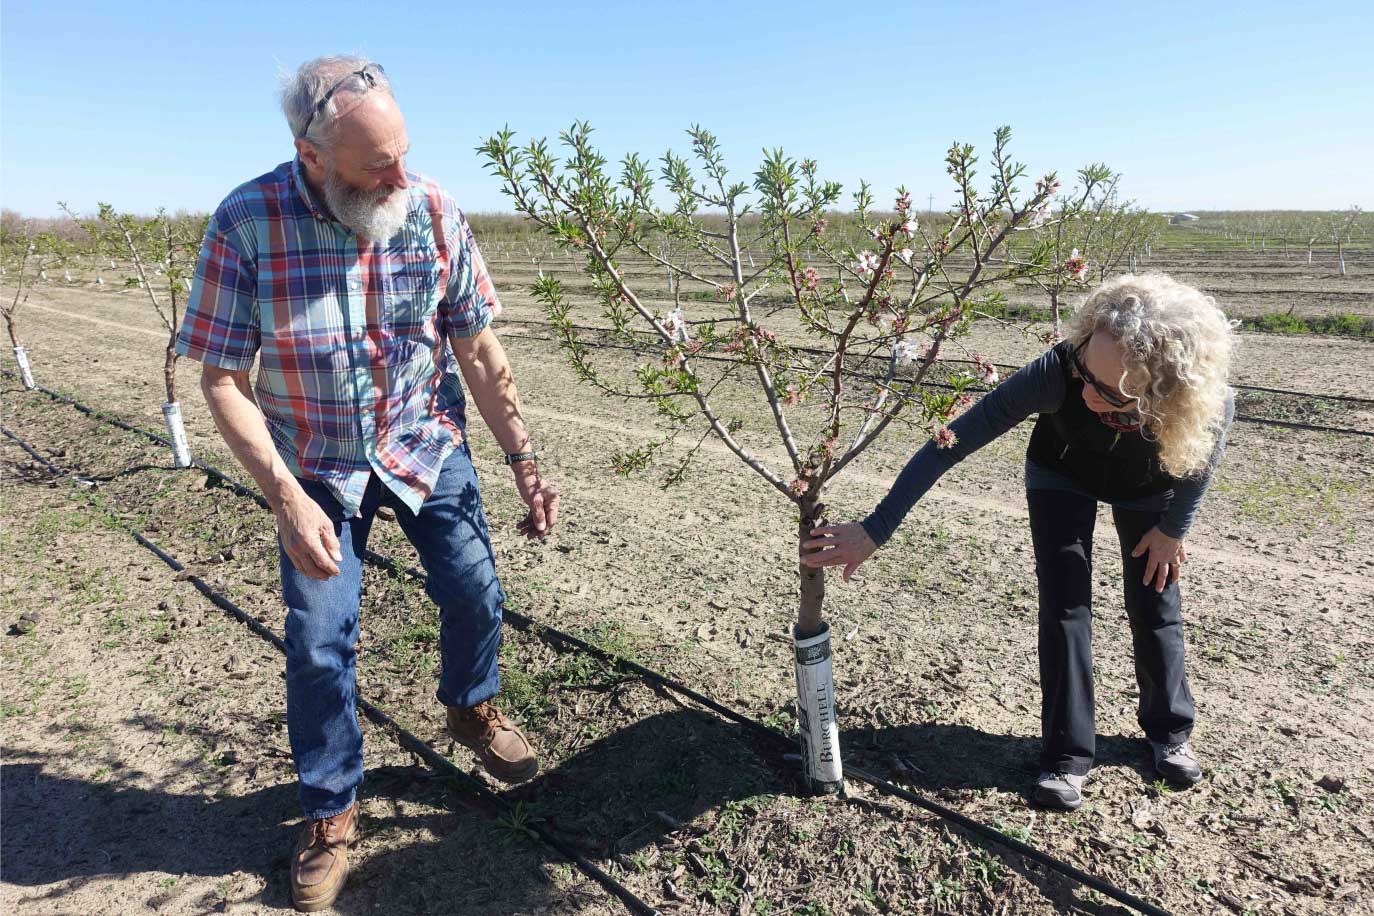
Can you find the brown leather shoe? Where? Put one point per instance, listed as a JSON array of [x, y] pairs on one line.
[[319, 865], [485, 730]]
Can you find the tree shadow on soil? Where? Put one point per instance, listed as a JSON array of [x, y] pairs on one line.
[[426, 849], [941, 760], [939, 756]]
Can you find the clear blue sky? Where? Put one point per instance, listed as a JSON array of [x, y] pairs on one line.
[[1201, 105]]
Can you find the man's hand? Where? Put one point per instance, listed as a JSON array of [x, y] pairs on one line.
[[307, 536], [1166, 558], [540, 496], [838, 545]]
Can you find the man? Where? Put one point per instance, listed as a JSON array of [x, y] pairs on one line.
[[360, 287]]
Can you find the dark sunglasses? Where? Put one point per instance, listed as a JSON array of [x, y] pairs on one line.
[[1110, 395], [369, 81]]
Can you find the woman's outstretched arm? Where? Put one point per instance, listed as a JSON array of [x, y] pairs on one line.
[[1036, 387]]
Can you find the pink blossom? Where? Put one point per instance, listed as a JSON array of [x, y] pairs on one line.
[[908, 350], [877, 236], [909, 226], [944, 437], [1076, 266], [983, 369], [818, 227], [811, 279], [791, 397], [1040, 216], [799, 486], [868, 262], [903, 202], [727, 292], [675, 326], [905, 254], [1047, 185]]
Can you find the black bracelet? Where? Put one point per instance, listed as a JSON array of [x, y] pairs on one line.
[[512, 457]]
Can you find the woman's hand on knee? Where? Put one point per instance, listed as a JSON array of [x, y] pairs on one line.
[[845, 545], [1166, 557]]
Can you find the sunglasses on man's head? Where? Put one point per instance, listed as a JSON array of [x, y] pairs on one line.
[[1110, 395], [366, 75]]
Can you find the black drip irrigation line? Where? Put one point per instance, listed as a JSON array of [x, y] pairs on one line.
[[379, 717], [556, 637], [1239, 418]]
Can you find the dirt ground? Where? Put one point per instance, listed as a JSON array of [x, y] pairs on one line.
[[145, 756]]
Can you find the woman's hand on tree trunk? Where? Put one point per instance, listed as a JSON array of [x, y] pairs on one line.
[[845, 545], [1166, 558]]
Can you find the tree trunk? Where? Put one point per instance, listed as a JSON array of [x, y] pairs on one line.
[[1340, 256], [1054, 307], [169, 373], [9, 326], [812, 603], [817, 728]]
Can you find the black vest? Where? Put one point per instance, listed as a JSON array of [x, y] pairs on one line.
[[1111, 464]]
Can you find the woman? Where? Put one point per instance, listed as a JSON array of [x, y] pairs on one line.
[[1134, 409]]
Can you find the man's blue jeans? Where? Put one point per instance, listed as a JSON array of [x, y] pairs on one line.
[[450, 534]]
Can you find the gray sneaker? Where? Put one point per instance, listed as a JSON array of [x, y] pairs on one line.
[[1060, 790], [1176, 762]]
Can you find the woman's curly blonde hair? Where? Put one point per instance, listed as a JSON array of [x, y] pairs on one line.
[[1177, 346]]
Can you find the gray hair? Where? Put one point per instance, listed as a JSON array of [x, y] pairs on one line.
[[301, 93]]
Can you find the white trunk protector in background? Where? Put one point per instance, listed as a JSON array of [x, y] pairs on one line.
[[25, 372], [181, 450]]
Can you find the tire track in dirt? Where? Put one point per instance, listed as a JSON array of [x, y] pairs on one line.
[[161, 335]]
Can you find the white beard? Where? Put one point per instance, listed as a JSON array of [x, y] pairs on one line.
[[375, 215]]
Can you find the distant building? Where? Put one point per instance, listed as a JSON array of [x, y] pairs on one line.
[[1182, 218]]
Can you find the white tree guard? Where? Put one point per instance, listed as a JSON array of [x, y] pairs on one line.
[[176, 431], [820, 732], [25, 372]]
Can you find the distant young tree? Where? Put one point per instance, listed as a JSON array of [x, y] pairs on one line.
[[27, 254], [1065, 238], [162, 252], [1122, 232], [1340, 228]]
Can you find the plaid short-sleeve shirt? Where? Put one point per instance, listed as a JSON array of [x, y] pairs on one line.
[[355, 372]]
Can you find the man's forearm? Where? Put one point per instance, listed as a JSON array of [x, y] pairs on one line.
[[241, 423], [489, 380]]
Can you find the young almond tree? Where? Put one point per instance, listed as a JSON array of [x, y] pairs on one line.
[[26, 258], [1126, 230], [1340, 227], [162, 251], [1065, 238], [835, 341]]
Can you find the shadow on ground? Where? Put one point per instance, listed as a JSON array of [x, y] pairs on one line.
[[426, 849], [939, 756]]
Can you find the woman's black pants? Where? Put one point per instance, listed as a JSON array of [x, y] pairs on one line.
[[1062, 533]]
